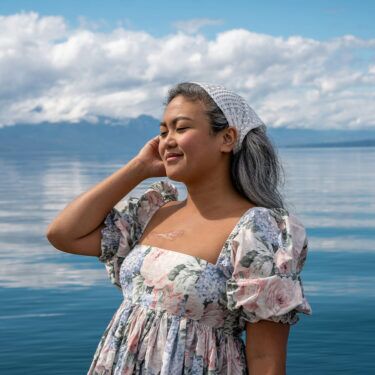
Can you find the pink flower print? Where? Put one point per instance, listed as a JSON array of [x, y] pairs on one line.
[[143, 211], [162, 281], [133, 342], [123, 225], [155, 269], [282, 226], [155, 198], [234, 248], [280, 296], [154, 303], [283, 260], [212, 355], [151, 201], [212, 316], [172, 300], [235, 365], [248, 292], [194, 307], [160, 264]]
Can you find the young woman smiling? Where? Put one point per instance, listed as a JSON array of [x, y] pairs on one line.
[[195, 274]]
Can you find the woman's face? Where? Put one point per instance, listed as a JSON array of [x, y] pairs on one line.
[[185, 130]]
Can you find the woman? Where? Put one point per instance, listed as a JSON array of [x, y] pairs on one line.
[[195, 273]]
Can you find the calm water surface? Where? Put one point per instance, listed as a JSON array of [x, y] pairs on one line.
[[55, 306]]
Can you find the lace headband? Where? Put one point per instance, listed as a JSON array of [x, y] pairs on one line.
[[237, 112]]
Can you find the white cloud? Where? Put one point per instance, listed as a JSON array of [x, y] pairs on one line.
[[52, 72]]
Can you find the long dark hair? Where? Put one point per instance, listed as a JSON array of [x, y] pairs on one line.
[[256, 171]]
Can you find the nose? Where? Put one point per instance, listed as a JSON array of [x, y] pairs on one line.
[[169, 140], [167, 143]]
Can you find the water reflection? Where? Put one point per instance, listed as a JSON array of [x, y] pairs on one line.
[[331, 190]]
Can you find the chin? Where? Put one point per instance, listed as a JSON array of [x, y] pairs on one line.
[[176, 176]]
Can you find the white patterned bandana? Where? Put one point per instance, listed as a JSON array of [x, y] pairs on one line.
[[237, 112]]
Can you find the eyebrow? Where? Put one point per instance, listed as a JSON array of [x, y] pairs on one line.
[[174, 121]]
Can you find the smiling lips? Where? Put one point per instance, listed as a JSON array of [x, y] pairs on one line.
[[173, 156]]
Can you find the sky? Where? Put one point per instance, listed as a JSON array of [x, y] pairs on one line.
[[298, 64]]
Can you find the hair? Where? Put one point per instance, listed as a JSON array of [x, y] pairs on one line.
[[255, 169]]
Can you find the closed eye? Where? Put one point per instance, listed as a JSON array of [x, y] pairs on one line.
[[163, 133]]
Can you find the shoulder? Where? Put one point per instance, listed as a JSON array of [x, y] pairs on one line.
[[267, 257], [264, 222], [156, 195], [164, 188], [275, 233]]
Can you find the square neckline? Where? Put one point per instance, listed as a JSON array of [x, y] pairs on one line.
[[242, 217]]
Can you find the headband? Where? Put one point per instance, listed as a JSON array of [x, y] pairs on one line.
[[237, 112]]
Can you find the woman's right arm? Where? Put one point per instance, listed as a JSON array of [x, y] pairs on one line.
[[77, 228]]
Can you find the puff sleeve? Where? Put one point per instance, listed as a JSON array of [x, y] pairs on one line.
[[267, 256], [122, 228]]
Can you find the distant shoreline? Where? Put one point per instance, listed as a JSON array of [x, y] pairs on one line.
[[109, 137], [364, 143]]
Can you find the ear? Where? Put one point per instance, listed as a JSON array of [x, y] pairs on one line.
[[229, 138]]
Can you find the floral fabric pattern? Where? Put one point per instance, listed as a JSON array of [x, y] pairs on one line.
[[184, 315]]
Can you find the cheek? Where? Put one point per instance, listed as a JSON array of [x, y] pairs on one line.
[[193, 144]]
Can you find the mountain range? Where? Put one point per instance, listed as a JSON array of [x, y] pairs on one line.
[[111, 136]]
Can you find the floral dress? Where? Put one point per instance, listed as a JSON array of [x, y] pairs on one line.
[[181, 314]]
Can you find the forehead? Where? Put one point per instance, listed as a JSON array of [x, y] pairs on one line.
[[180, 106]]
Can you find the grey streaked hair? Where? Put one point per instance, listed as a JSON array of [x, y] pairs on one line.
[[256, 171]]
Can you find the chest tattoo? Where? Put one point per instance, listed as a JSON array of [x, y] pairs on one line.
[[168, 235]]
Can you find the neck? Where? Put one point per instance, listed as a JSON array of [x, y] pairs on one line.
[[210, 195]]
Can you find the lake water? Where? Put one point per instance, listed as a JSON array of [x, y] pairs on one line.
[[55, 306]]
